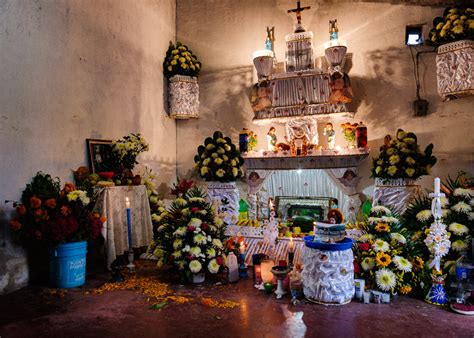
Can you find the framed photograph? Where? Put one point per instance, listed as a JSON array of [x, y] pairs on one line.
[[100, 155]]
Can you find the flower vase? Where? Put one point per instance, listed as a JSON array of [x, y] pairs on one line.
[[454, 64], [437, 294], [226, 196], [198, 278], [397, 193], [183, 97]]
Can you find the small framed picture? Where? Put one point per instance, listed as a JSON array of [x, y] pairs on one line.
[[100, 155]]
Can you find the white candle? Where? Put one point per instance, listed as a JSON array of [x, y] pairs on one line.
[[291, 245], [437, 185], [127, 203], [242, 247]]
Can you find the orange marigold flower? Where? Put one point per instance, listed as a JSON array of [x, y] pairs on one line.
[[103, 219], [68, 187], [405, 289], [51, 203], [382, 259], [35, 202], [21, 210], [15, 225], [65, 210]]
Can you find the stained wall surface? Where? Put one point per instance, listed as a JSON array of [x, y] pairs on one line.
[[224, 34], [72, 70]]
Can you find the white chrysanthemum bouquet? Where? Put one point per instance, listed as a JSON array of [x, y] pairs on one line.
[[382, 255], [191, 235]]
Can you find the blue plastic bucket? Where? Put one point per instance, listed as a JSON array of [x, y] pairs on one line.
[[68, 265]]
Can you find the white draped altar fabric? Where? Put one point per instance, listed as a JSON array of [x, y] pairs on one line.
[[111, 204], [314, 183]]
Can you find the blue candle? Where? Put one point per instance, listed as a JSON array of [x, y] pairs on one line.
[[129, 224]]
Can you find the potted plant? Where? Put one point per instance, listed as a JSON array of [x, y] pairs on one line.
[[219, 162], [60, 220], [398, 166], [190, 236], [453, 35], [182, 68], [126, 151]]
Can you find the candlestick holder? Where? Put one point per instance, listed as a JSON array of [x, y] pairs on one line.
[[280, 273], [243, 273], [130, 265], [291, 257]]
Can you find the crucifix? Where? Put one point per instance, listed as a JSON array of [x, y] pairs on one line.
[[298, 11]]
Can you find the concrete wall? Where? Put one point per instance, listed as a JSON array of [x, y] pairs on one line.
[[224, 33], [72, 70]]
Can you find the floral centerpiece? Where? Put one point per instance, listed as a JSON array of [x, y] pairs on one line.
[[400, 157], [456, 24], [457, 214], [349, 133], [180, 60], [383, 256], [218, 159], [51, 215], [128, 148], [191, 236]]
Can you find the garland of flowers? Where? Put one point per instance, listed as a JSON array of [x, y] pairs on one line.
[[191, 235], [400, 157], [382, 255], [219, 160], [456, 24], [53, 215]]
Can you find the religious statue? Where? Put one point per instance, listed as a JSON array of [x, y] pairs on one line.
[[333, 30], [270, 41], [330, 134], [260, 99], [340, 86], [272, 139], [252, 144], [297, 11], [299, 143]]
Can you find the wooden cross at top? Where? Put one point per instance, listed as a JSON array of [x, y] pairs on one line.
[[298, 11]]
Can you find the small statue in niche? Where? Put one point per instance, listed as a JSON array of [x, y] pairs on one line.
[[260, 99], [269, 42], [330, 134], [299, 143], [333, 30], [341, 90], [252, 144], [272, 139]]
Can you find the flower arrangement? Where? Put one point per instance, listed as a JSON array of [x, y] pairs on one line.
[[180, 60], [234, 244], [456, 24], [191, 235], [401, 157], [218, 159], [53, 215], [382, 254], [349, 132], [128, 148], [458, 215]]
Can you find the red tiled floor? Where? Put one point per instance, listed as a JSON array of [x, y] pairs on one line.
[[33, 312]]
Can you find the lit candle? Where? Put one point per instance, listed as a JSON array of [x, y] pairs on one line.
[[437, 185], [270, 204], [242, 247], [266, 270], [129, 223], [291, 245]]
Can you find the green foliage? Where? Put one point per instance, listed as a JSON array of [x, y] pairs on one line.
[[42, 186]]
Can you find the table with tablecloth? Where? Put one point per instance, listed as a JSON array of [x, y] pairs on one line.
[[111, 203]]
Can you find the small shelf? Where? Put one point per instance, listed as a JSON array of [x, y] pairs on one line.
[[305, 162]]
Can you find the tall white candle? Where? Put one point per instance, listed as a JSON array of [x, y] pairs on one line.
[[127, 203], [437, 185]]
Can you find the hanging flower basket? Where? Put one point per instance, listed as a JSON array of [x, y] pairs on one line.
[[184, 97], [455, 69]]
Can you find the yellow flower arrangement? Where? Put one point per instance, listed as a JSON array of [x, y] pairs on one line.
[[456, 24], [180, 60], [382, 227], [382, 259]]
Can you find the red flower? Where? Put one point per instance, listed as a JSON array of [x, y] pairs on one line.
[[35, 202], [364, 246], [356, 267], [220, 260], [195, 209], [191, 228], [189, 257], [204, 226], [21, 210], [15, 225], [182, 187], [51, 203]]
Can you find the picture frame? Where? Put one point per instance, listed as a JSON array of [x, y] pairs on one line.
[[99, 155]]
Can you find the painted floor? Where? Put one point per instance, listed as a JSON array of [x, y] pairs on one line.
[[42, 312]]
